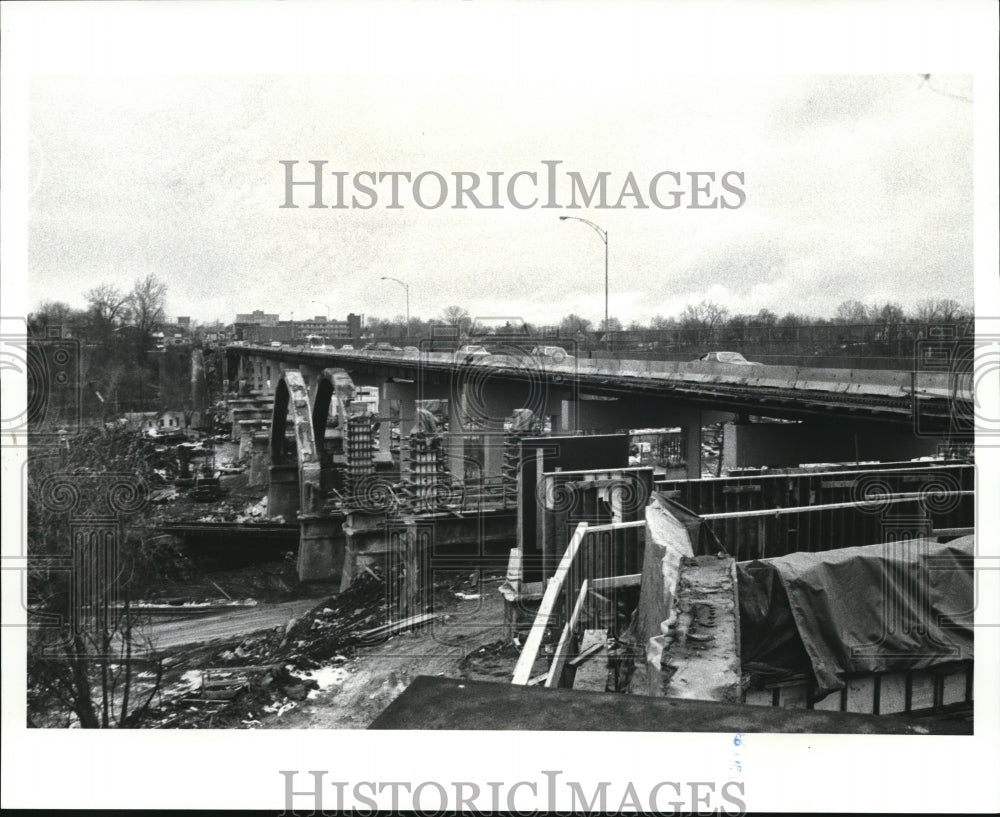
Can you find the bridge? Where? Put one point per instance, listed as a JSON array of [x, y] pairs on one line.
[[772, 416], [936, 403]]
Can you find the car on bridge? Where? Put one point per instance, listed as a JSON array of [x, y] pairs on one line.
[[471, 353], [726, 357], [347, 348], [551, 354]]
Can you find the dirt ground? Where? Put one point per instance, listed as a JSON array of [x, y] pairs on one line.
[[321, 676], [467, 641]]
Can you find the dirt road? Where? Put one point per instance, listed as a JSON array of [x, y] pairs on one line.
[[467, 641], [242, 621]]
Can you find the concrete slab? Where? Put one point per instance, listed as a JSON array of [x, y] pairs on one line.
[[702, 660], [449, 703]]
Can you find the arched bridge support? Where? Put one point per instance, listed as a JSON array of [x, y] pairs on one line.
[[295, 477]]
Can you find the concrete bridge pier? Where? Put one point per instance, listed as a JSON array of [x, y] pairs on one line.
[[691, 435], [491, 406], [199, 381], [247, 413], [321, 547], [360, 529], [283, 491], [405, 394], [260, 460], [248, 429], [455, 438]]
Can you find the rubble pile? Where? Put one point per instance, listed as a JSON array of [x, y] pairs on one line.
[[337, 628], [251, 513], [269, 673]]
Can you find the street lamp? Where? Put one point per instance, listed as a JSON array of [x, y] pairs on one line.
[[327, 315], [405, 286], [604, 237]]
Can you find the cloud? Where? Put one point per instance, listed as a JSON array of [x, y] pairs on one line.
[[851, 182]]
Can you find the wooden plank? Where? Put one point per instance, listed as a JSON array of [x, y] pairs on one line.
[[397, 626], [522, 670], [640, 523], [611, 582], [888, 499], [952, 531], [741, 489], [592, 675], [559, 659], [587, 653]]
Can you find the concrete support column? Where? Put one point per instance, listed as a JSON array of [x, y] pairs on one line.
[[456, 434], [384, 432], [403, 394], [692, 445], [493, 450], [283, 492], [199, 383], [567, 420], [406, 395], [260, 459], [321, 548], [360, 529]]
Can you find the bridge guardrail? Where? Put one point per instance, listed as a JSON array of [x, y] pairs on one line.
[[875, 382]]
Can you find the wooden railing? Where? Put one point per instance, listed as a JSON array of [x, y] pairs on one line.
[[597, 557]]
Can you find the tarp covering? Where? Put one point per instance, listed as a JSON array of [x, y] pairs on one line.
[[880, 608]]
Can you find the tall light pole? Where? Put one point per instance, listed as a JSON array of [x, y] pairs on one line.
[[327, 316], [405, 286], [604, 237]]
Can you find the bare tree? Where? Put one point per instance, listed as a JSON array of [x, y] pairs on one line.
[[83, 655], [945, 310], [852, 311], [107, 302], [704, 315], [457, 316], [147, 300], [51, 314], [765, 317], [574, 324]]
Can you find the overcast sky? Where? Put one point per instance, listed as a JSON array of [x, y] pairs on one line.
[[856, 187]]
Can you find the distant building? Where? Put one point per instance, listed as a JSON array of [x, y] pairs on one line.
[[318, 327], [257, 318], [155, 423]]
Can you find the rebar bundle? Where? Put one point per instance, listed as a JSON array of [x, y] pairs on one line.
[[425, 482], [360, 449]]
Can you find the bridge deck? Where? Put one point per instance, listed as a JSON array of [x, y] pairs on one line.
[[773, 390]]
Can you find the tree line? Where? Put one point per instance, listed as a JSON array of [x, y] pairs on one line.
[[705, 317], [116, 333]]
